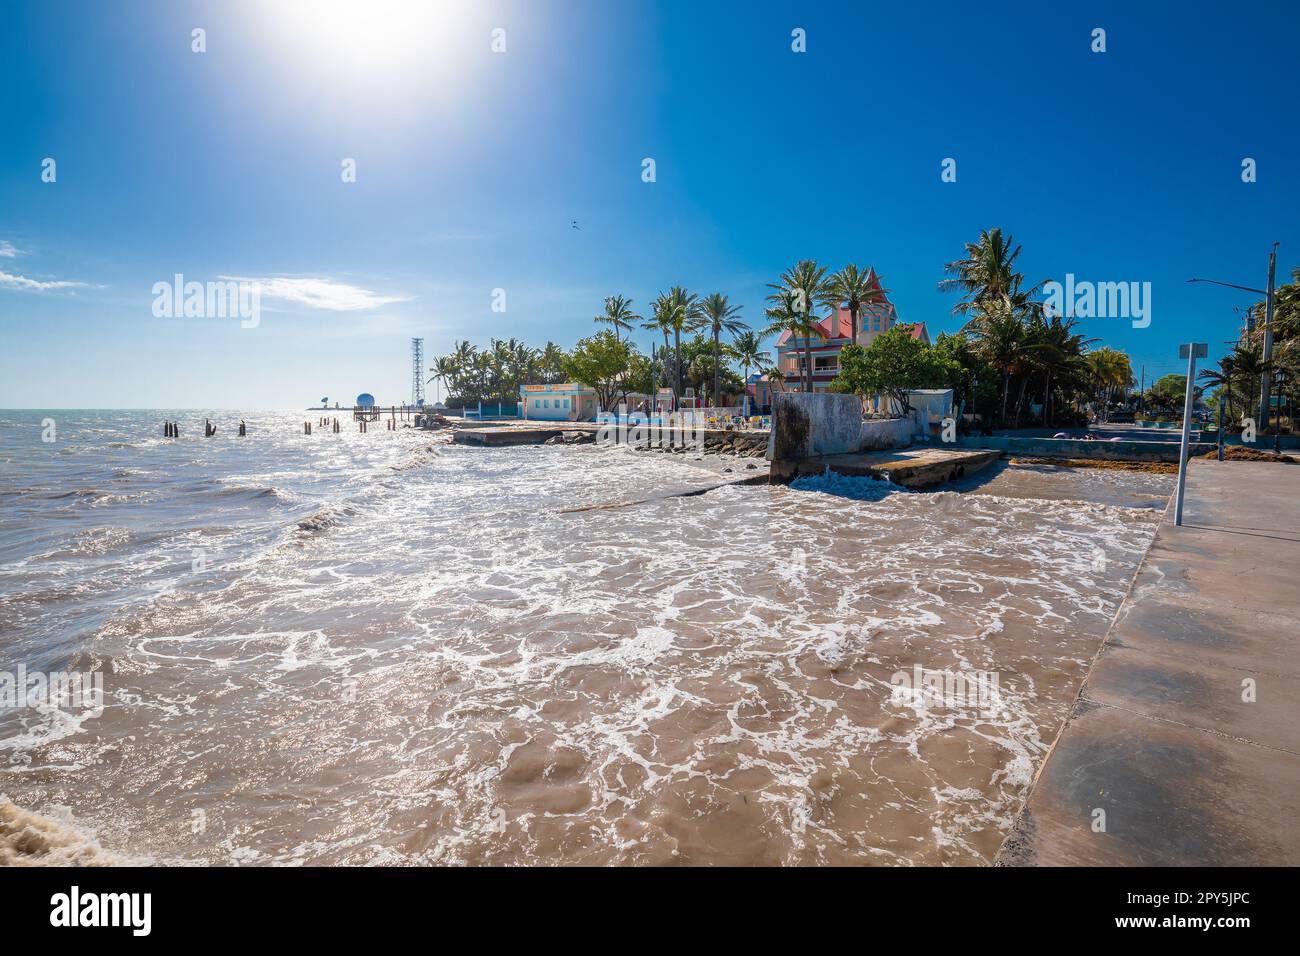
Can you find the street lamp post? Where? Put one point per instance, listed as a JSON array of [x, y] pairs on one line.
[[1268, 329], [1268, 341]]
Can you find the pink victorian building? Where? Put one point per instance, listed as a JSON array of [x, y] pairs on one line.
[[836, 332]]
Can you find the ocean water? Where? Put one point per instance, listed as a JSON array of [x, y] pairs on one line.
[[387, 649]]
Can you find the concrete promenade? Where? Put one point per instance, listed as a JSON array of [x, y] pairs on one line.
[[1186, 732]]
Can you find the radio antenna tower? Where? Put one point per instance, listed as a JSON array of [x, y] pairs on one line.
[[417, 372]]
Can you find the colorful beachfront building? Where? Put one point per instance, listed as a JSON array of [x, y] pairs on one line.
[[760, 388], [566, 402], [836, 332]]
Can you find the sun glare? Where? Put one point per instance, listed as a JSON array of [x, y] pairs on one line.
[[365, 41]]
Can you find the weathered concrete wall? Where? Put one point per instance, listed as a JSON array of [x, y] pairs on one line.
[[804, 425], [825, 423], [880, 434], [1079, 448]]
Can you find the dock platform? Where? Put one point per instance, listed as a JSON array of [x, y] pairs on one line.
[[908, 467], [1186, 732], [494, 436]]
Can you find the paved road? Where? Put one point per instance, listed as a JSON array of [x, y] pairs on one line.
[[1165, 738]]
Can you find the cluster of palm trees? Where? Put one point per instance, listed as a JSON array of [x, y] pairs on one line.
[[1010, 344], [804, 287], [678, 312], [1031, 351], [496, 373]]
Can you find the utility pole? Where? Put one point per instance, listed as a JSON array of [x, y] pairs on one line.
[[1192, 351], [1142, 388], [1266, 375]]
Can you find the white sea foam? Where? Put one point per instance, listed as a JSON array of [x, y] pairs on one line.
[[448, 668]]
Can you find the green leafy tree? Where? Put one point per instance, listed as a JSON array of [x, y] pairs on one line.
[[892, 365], [600, 361]]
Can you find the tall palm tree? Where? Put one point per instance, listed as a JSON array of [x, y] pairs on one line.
[[1000, 334], [987, 272], [444, 367], [855, 289], [749, 353], [718, 315], [787, 314], [618, 314], [806, 283], [683, 316], [661, 321]]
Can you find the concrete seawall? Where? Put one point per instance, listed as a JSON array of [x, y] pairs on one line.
[[1081, 448], [1183, 746]]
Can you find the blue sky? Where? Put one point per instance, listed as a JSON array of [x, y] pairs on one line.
[[472, 166]]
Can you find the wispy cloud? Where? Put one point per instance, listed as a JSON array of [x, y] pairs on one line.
[[316, 293], [8, 281], [8, 250]]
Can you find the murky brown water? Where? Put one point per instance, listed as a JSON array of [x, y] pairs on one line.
[[447, 669]]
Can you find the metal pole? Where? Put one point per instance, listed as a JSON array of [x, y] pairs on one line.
[[1222, 423], [1187, 432], [1266, 375], [1277, 431]]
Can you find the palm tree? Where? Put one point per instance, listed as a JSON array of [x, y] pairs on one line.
[[855, 289], [1251, 367], [1056, 351], [747, 346], [525, 363], [661, 321], [987, 272], [1001, 337], [786, 315], [618, 314], [806, 285], [683, 316], [1225, 379], [1110, 371], [718, 315], [444, 367]]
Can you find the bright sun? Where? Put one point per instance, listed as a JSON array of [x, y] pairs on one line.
[[364, 40]]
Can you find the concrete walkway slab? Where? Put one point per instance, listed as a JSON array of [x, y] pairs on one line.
[[909, 467], [1186, 732]]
